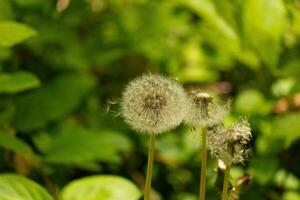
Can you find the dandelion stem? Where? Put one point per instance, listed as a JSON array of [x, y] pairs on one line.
[[203, 164], [225, 184], [149, 167]]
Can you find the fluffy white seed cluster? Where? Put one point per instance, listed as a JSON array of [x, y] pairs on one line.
[[230, 145], [153, 104], [203, 111]]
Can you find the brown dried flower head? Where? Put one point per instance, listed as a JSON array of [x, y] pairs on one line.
[[230, 145], [153, 104]]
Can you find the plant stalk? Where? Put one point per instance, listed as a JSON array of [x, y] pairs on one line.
[[203, 164], [225, 184], [149, 167]]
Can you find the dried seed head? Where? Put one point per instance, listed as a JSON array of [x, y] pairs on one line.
[[230, 145], [203, 111], [153, 104]]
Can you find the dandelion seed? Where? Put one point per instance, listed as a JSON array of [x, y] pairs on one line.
[[231, 144], [153, 104], [203, 111]]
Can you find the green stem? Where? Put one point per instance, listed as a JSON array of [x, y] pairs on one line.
[[149, 167], [203, 164], [225, 184]]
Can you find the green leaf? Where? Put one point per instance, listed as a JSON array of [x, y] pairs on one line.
[[263, 23], [102, 145], [31, 3], [283, 87], [263, 169], [17, 82], [6, 10], [207, 9], [15, 187], [52, 102], [216, 33], [291, 195], [12, 33], [102, 187], [286, 128], [287, 180], [7, 110], [14, 144], [267, 143], [175, 150], [251, 102]]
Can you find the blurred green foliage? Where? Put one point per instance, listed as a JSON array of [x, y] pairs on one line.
[[61, 74]]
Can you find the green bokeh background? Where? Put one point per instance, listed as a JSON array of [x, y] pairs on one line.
[[62, 74]]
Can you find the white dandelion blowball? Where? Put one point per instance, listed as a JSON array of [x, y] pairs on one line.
[[203, 111], [153, 104]]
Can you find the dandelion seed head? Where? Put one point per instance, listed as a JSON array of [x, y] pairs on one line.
[[153, 104], [230, 145], [203, 111]]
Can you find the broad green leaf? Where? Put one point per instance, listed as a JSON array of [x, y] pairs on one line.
[[15, 187], [102, 187], [283, 87], [263, 169], [216, 33], [105, 145], [287, 180], [17, 82], [291, 195], [251, 102], [12, 33], [6, 10], [14, 144], [286, 128], [263, 23], [42, 141], [208, 11], [52, 102], [5, 53]]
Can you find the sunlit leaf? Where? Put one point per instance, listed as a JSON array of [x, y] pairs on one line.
[[15, 187], [251, 102], [291, 195], [283, 87], [102, 187], [6, 10], [17, 82], [12, 33], [286, 127], [263, 23], [287, 180]]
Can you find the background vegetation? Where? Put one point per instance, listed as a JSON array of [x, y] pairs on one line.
[[61, 72]]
